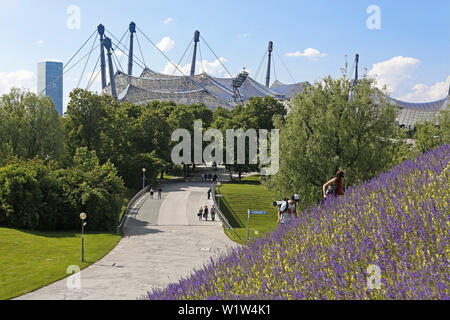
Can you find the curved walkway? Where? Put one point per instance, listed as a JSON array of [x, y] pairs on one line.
[[163, 243]]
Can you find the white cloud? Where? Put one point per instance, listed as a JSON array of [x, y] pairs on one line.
[[395, 73], [166, 44], [20, 79], [53, 60], [423, 93], [40, 42], [309, 53], [168, 20], [213, 68]]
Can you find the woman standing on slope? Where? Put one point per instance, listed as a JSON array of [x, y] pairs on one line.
[[334, 186]]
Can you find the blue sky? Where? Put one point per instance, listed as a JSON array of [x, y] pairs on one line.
[[410, 53]]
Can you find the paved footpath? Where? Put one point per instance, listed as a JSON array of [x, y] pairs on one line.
[[163, 243]]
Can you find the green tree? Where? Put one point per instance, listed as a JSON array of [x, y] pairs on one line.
[[85, 120], [443, 120], [259, 113], [428, 135], [330, 129], [29, 127]]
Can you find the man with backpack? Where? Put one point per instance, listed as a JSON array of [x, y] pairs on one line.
[[287, 210]]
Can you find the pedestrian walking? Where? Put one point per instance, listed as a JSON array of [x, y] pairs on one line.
[[205, 213], [213, 213], [287, 210], [209, 193], [334, 187], [152, 193], [160, 194], [200, 214]]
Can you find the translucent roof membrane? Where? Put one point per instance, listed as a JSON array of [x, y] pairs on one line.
[[218, 92], [412, 113], [212, 91]]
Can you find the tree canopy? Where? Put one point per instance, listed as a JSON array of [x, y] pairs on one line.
[[334, 125], [29, 127]]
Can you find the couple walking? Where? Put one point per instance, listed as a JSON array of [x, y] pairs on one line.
[[204, 213], [152, 194]]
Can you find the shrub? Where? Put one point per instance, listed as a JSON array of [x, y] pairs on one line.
[[38, 196]]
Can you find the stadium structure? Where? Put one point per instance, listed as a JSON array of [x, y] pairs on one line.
[[192, 88]]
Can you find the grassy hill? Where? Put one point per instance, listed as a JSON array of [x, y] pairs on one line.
[[31, 260], [249, 194], [398, 222]]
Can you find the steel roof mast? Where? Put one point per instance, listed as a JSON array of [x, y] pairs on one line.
[[194, 56], [269, 63], [130, 56], [356, 69], [101, 32], [108, 46]]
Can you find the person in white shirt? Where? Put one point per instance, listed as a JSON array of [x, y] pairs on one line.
[[287, 210]]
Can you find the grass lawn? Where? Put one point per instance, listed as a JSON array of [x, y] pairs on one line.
[[31, 260], [238, 198]]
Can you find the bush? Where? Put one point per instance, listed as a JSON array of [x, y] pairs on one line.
[[20, 197], [38, 196]]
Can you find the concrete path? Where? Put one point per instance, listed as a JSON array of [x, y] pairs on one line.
[[163, 243]]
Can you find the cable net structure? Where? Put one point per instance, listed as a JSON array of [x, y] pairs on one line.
[[214, 92], [184, 87], [190, 88], [412, 113]]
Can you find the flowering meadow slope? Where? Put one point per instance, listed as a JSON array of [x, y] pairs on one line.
[[398, 222]]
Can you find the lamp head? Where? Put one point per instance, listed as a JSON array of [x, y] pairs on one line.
[[83, 216]]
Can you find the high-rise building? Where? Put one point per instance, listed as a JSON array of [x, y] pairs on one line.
[[50, 82]]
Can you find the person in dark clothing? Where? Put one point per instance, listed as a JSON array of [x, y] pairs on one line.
[[160, 194], [209, 193], [205, 213]]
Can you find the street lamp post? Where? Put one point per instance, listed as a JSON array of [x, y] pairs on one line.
[[143, 178], [83, 217], [219, 185]]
